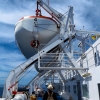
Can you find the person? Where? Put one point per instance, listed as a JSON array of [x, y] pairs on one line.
[[49, 95], [33, 96], [42, 93], [36, 92]]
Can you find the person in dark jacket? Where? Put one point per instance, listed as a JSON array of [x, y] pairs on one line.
[[49, 95]]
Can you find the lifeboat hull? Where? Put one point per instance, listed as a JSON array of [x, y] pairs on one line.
[[28, 29]]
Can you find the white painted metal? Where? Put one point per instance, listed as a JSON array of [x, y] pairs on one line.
[[87, 32], [91, 80], [55, 14], [20, 97], [39, 78], [66, 32], [35, 78], [61, 68], [23, 67]]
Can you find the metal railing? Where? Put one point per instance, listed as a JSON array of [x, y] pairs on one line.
[[60, 61], [91, 57], [56, 60]]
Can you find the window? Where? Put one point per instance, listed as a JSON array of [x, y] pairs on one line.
[[99, 90], [85, 91], [74, 89], [65, 88], [81, 63], [69, 88], [59, 87], [97, 58]]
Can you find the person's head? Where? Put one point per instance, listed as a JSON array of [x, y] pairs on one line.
[[53, 87], [33, 92], [50, 87]]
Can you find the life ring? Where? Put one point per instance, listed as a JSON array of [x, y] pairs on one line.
[[35, 43]]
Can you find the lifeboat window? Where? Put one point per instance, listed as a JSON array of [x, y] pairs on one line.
[[85, 90]]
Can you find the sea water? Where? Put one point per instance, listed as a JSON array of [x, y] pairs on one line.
[[1, 91]]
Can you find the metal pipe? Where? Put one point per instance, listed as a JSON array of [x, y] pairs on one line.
[[61, 68]]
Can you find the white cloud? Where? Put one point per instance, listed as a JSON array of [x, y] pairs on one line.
[[9, 62], [14, 12], [79, 9]]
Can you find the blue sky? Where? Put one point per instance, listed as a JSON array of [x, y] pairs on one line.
[[86, 13]]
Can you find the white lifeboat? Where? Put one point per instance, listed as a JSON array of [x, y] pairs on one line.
[[32, 33]]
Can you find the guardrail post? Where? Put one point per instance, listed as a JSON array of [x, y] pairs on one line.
[[87, 61]]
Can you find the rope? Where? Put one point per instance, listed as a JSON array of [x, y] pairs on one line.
[[65, 13], [47, 29]]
